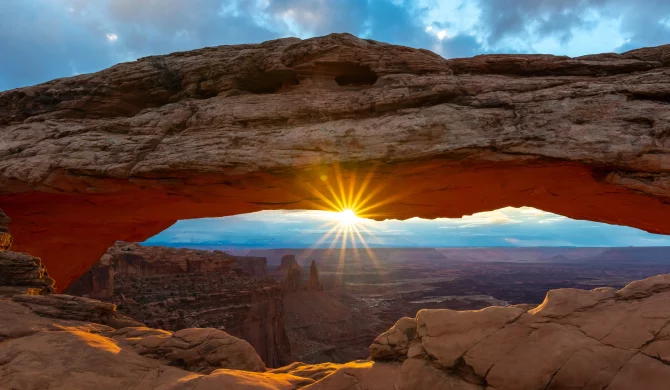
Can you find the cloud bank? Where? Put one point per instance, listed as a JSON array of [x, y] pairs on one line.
[[45, 39]]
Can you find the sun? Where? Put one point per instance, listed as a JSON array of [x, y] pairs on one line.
[[346, 217]]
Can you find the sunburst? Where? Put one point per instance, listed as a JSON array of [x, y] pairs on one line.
[[349, 207]]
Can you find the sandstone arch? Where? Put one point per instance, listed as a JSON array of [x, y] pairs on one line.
[[125, 152]]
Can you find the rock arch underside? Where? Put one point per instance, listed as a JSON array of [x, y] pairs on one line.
[[126, 152], [123, 153]]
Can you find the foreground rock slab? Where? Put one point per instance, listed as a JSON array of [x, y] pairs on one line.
[[235, 129], [575, 339], [194, 349], [38, 352]]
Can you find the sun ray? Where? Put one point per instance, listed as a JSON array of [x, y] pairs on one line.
[[354, 247], [369, 251], [340, 263], [346, 205], [323, 197], [350, 198], [361, 191], [338, 176], [320, 241], [380, 203]]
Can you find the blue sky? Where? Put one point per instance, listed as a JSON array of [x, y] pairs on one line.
[[45, 39], [514, 227]]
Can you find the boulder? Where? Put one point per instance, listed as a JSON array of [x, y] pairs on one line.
[[394, 343], [200, 350]]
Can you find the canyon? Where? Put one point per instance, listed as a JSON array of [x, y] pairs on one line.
[[335, 313], [284, 317], [174, 289], [600, 338]]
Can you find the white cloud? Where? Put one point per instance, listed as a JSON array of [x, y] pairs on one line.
[[112, 37], [546, 242]]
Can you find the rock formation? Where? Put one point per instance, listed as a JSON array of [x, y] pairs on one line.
[[125, 258], [22, 273], [196, 349], [581, 339], [40, 352], [173, 289], [313, 283], [68, 307], [288, 262], [576, 339], [5, 237], [597, 339], [291, 273], [235, 129]]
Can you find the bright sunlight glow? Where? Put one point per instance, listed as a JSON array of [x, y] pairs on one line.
[[346, 217], [350, 206]]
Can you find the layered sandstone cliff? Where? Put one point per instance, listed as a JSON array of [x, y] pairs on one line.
[[130, 259], [234, 129], [173, 289]]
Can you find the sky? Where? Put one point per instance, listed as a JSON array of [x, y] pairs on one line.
[[512, 227], [45, 39]]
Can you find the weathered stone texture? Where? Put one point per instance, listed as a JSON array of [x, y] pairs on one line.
[[235, 129], [575, 339]]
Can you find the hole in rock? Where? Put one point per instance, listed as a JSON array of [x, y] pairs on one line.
[[355, 75], [317, 286], [268, 82]]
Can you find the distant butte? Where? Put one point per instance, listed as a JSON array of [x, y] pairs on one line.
[[123, 153]]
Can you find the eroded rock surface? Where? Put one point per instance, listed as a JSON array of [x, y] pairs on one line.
[[235, 129], [127, 259], [575, 340], [195, 349], [39, 352], [595, 339], [21, 273], [174, 289], [69, 307], [5, 237], [291, 274]]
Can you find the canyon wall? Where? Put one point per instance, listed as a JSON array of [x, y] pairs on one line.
[[125, 152], [171, 288]]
